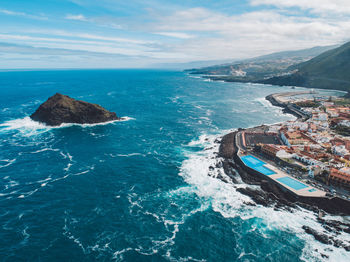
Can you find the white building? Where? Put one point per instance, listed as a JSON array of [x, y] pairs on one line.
[[305, 159], [322, 117], [340, 150], [285, 140], [345, 123]]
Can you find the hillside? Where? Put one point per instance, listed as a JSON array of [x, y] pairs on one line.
[[330, 70], [262, 67]]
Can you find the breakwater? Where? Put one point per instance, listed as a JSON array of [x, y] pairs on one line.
[[288, 108]]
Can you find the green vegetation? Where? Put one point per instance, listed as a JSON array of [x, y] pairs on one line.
[[313, 104], [342, 102], [329, 70], [263, 67], [288, 160]]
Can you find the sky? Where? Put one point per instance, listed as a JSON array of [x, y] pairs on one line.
[[141, 33]]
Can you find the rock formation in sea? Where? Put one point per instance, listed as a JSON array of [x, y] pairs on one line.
[[59, 109]]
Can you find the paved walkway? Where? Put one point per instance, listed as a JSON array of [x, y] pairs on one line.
[[308, 191], [282, 178]]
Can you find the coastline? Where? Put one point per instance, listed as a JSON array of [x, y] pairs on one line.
[[227, 79], [274, 195], [287, 109], [229, 152]]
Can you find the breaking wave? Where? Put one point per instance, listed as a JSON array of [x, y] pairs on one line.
[[200, 170], [26, 124]]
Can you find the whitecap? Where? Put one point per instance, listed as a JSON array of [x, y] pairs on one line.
[[27, 125], [67, 167], [118, 255], [27, 194], [69, 156], [264, 102], [126, 118], [8, 162], [11, 183], [224, 199], [23, 123], [131, 154], [26, 235], [81, 173], [70, 235], [45, 149], [196, 77]]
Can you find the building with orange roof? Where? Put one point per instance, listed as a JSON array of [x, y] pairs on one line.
[[340, 177]]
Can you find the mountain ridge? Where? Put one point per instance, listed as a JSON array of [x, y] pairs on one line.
[[329, 70]]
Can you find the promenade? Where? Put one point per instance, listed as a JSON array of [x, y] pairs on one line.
[[271, 172]]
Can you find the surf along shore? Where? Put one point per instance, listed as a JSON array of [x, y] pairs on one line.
[[289, 195]]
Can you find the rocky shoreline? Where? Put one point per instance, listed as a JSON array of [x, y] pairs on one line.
[[287, 109], [271, 195]]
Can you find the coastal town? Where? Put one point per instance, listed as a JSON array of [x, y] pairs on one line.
[[309, 156]]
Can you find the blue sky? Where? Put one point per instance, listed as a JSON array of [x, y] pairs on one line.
[[135, 33]]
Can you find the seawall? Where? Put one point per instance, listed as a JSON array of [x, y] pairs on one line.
[[287, 109], [228, 151]]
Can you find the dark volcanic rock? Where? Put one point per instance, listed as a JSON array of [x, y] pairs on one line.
[[318, 236], [258, 196], [227, 146], [60, 109]]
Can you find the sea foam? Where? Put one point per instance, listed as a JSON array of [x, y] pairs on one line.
[[230, 203], [27, 125]]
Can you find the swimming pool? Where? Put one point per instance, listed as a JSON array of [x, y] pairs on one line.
[[257, 165], [265, 170], [295, 184], [251, 161]]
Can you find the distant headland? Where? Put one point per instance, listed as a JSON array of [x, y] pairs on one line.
[[319, 67], [59, 109]]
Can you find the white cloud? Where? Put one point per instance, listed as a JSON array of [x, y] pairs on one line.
[[108, 38], [176, 35], [78, 17], [71, 34], [222, 36], [199, 33], [102, 47], [14, 13], [8, 12], [316, 6], [19, 56]]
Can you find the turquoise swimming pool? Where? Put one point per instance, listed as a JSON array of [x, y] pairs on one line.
[[295, 184], [257, 165]]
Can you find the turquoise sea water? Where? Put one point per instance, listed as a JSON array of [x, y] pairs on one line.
[[136, 190]]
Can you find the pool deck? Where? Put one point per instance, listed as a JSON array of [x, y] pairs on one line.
[[308, 191], [301, 192]]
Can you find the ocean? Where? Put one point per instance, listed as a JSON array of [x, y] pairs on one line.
[[138, 189]]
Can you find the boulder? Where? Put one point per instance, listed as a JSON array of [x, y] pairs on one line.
[[318, 236]]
